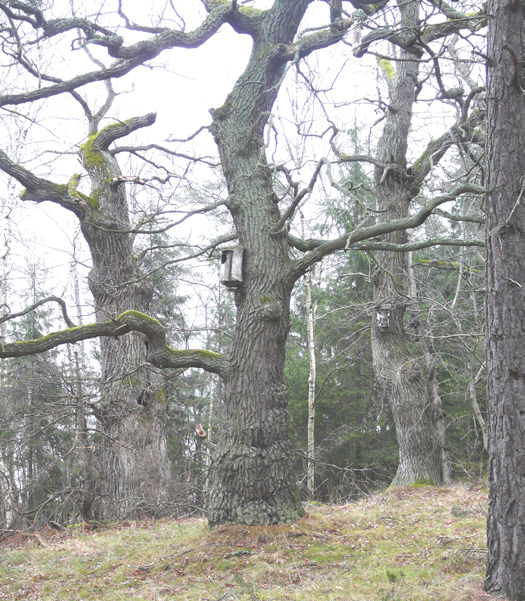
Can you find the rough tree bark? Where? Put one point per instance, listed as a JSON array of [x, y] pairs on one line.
[[505, 211], [433, 382], [397, 367], [252, 480], [132, 405], [133, 402]]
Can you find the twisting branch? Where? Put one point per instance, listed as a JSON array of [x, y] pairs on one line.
[[466, 104], [465, 218], [436, 149], [106, 136], [322, 38], [318, 249], [436, 31], [49, 299], [290, 211], [128, 57], [408, 246], [38, 189], [159, 354]]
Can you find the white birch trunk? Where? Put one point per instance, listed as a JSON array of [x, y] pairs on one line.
[[311, 311]]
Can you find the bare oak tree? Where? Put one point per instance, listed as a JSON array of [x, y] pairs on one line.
[[252, 478]]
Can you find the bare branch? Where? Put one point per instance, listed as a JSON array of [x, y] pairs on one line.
[[436, 149], [49, 299], [288, 214], [161, 230], [408, 40], [135, 149], [466, 218], [202, 251], [128, 57], [159, 354], [318, 249], [415, 245]]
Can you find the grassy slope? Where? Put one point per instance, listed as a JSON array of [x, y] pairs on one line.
[[413, 544]]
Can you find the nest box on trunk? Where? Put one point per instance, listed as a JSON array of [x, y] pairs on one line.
[[383, 318], [231, 266]]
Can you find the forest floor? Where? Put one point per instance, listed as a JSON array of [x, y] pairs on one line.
[[417, 544]]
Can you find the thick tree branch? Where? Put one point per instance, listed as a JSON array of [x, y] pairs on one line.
[[244, 19], [38, 189], [18, 56], [430, 157], [159, 354], [106, 136], [408, 40], [465, 218], [128, 57], [436, 149], [409, 246], [119, 69], [317, 41], [318, 249]]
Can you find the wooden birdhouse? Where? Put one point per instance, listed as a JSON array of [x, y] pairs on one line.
[[231, 266], [383, 318]]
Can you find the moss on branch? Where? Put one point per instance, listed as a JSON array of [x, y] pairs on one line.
[[387, 69], [139, 315], [159, 353]]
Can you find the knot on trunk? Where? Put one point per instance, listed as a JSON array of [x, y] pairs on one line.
[[270, 310]]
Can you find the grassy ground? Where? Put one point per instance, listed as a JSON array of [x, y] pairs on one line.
[[417, 544]]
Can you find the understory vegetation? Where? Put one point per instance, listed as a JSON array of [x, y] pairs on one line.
[[408, 543]]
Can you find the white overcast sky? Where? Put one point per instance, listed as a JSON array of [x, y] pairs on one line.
[[180, 86]]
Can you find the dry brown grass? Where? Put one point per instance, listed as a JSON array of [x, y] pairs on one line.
[[407, 544]]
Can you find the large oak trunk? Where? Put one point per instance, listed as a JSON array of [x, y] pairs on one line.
[[397, 366], [132, 408], [253, 481], [400, 374], [505, 308]]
